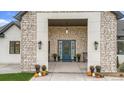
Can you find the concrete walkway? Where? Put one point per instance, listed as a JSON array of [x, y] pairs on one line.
[[10, 68], [73, 77], [59, 72], [70, 71], [75, 67]]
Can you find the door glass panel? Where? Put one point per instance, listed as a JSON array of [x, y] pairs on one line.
[[66, 48], [73, 49]]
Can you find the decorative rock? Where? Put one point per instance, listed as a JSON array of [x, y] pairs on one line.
[[108, 43]]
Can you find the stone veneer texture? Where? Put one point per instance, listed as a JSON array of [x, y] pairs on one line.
[[78, 33], [108, 43], [28, 41]]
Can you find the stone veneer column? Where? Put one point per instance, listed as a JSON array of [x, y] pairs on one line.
[[28, 41], [108, 45]]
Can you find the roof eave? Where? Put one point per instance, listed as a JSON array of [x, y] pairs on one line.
[[118, 14], [19, 15], [8, 26]]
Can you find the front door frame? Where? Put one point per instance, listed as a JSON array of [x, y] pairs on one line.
[[70, 50], [68, 59]]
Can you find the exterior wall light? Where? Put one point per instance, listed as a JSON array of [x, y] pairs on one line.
[[96, 45], [39, 44]]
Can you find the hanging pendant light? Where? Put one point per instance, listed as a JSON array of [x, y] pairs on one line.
[[66, 31]]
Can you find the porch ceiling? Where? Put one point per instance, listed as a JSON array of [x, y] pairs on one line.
[[67, 22]]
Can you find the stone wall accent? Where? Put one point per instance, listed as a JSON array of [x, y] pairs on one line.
[[78, 33], [28, 41], [108, 47]]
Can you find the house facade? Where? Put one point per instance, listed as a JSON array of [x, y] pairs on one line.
[[67, 33], [42, 34], [10, 37]]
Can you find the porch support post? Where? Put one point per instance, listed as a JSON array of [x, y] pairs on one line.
[[93, 36], [42, 36]]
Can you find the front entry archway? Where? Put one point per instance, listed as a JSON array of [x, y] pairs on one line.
[[81, 26]]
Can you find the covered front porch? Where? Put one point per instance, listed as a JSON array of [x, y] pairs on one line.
[[68, 34], [67, 45], [67, 38]]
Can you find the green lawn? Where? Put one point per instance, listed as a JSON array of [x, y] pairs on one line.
[[16, 76]]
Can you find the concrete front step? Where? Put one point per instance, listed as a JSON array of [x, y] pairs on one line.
[[67, 67]]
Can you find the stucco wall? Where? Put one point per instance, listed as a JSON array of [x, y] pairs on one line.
[[108, 42], [12, 34], [78, 33]]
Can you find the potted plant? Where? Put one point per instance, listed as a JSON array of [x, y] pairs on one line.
[[92, 69], [37, 67], [43, 67], [54, 56], [58, 58], [78, 57], [75, 58], [98, 68]]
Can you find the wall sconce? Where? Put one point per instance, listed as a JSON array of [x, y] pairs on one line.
[[96, 45], [39, 44]]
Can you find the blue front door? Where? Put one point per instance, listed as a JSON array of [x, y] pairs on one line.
[[66, 50]]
